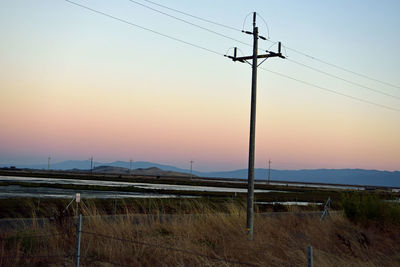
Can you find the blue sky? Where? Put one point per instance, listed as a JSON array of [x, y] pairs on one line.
[[76, 84]]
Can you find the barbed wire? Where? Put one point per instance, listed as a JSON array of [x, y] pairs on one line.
[[37, 256], [167, 248], [94, 259], [30, 236]]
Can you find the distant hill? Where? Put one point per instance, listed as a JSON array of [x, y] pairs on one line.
[[334, 176], [139, 171], [85, 165]]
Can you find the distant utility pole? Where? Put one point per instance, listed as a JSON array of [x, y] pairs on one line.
[[91, 164], [48, 163], [191, 163], [130, 165], [254, 65], [269, 171]]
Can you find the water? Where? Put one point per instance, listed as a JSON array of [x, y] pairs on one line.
[[9, 191], [329, 186], [16, 191], [296, 184], [290, 203]]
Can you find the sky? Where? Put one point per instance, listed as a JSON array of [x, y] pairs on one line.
[[76, 84]]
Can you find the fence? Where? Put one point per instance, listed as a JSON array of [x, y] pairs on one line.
[[75, 255], [33, 257]]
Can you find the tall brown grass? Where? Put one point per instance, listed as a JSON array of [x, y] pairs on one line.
[[278, 240]]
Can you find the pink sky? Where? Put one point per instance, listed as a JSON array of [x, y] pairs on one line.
[[75, 85]]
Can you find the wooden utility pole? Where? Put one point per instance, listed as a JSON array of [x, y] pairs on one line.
[[91, 164], [254, 65], [191, 165], [269, 171]]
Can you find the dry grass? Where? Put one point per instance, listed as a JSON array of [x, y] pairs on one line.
[[278, 241]]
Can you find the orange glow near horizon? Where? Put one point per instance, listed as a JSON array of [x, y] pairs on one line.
[[75, 85], [146, 127]]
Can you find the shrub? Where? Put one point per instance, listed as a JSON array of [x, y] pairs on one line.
[[363, 207]]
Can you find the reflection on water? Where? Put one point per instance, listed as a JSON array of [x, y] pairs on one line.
[[289, 203], [126, 184], [15, 191], [351, 187]]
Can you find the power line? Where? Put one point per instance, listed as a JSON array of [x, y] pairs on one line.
[[188, 22], [289, 48], [193, 16], [343, 69], [331, 91], [228, 37], [220, 54], [144, 28], [196, 25], [342, 79]]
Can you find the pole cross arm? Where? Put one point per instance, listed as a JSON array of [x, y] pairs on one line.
[[235, 58], [273, 54], [265, 56], [258, 36], [270, 54]]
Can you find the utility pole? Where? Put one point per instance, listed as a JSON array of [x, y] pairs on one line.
[[130, 166], [269, 171], [91, 164], [254, 65], [48, 163], [191, 163]]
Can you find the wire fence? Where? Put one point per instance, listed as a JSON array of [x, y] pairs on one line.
[[92, 259], [168, 248], [69, 225]]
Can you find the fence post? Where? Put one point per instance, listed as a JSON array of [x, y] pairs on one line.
[[310, 256], [78, 240], [149, 205], [115, 205], [38, 207]]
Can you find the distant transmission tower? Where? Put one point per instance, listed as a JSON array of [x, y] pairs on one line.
[[269, 171], [191, 165], [130, 165], [91, 164]]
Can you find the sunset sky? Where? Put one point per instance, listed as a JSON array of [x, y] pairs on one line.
[[75, 84]]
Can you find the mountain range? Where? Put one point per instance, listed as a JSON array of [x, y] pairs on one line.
[[334, 176]]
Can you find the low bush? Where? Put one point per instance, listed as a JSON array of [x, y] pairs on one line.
[[366, 208]]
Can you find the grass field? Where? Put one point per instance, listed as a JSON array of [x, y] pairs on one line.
[[211, 238], [208, 230]]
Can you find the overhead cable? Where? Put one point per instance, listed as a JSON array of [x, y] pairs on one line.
[[190, 23], [342, 79], [144, 28], [220, 54], [343, 69], [193, 16], [330, 90], [286, 47]]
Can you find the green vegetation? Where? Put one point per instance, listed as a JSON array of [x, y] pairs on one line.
[[211, 224], [216, 236], [367, 208]]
